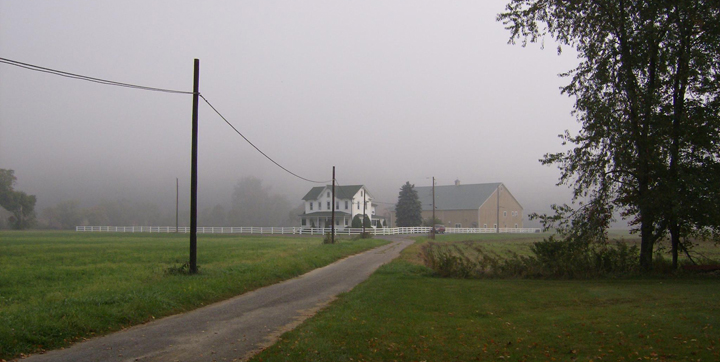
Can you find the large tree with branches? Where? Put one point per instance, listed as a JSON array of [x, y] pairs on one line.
[[647, 96]]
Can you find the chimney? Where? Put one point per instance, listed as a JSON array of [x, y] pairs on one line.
[[457, 182]]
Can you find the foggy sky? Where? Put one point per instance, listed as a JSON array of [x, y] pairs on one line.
[[386, 91]]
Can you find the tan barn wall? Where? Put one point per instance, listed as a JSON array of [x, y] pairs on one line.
[[466, 218], [488, 211]]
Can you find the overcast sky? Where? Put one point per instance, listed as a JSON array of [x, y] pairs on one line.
[[386, 91]]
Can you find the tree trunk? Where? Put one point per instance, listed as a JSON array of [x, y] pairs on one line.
[[675, 241]]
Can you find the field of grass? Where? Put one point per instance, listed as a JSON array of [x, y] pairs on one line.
[[60, 287], [405, 313]]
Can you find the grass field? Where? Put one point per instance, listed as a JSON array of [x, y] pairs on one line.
[[404, 313], [60, 287]]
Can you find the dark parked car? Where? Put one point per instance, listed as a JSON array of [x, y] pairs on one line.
[[439, 229]]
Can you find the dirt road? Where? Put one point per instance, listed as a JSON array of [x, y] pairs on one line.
[[234, 329]]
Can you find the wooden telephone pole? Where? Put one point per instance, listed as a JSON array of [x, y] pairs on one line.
[[193, 171], [433, 231], [332, 227]]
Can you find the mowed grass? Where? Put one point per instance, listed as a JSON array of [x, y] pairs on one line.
[[61, 287], [404, 313]]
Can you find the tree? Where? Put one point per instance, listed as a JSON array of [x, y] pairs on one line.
[[19, 203], [367, 223], [356, 222], [253, 205], [215, 216], [647, 95], [408, 209], [65, 215]]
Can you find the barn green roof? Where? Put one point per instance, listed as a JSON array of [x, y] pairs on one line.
[[456, 197]]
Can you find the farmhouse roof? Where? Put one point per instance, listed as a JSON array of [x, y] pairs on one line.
[[457, 197], [325, 214], [341, 192]]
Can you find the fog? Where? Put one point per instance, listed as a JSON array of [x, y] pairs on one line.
[[386, 91]]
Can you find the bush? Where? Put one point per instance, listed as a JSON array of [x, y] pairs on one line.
[[356, 222], [367, 223], [551, 259], [447, 261]]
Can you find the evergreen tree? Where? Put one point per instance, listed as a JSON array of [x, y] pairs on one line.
[[356, 222], [408, 209], [367, 223]]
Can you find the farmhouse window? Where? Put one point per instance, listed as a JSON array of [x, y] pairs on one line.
[[328, 205], [311, 206], [346, 205]]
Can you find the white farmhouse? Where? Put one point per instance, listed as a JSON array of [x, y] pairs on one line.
[[349, 201]]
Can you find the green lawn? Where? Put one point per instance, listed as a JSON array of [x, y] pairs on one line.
[[404, 313], [59, 287]]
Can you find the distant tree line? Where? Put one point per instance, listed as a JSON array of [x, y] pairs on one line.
[[251, 204]]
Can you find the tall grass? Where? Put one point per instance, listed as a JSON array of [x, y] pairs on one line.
[[481, 257], [60, 287]]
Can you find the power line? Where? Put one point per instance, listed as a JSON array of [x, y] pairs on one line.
[[256, 148], [135, 86], [86, 78]]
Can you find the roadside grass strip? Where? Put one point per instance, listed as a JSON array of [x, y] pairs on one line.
[[57, 288], [403, 312]]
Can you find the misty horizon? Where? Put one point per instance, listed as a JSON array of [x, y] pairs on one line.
[[386, 92]]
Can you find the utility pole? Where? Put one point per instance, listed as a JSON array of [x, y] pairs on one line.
[[193, 170], [497, 226], [364, 214], [177, 207], [332, 227], [432, 231]]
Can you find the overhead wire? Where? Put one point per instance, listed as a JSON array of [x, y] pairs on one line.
[[154, 89], [86, 78], [258, 149]]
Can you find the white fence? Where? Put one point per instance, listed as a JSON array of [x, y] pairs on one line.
[[297, 230]]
